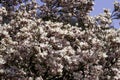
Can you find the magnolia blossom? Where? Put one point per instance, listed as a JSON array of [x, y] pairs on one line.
[[47, 46]]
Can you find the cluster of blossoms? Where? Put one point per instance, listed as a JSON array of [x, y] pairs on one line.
[[66, 11], [32, 48]]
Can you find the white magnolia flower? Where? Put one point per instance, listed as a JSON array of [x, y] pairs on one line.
[[2, 61]]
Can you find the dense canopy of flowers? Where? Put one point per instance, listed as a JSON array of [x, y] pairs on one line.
[[35, 48]]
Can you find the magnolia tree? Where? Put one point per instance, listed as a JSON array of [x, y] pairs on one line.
[[58, 40]]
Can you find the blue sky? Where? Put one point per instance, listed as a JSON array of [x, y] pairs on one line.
[[98, 8], [100, 4]]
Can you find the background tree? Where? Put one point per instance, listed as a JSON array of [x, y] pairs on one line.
[[116, 11]]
